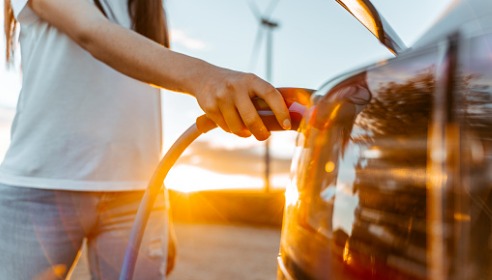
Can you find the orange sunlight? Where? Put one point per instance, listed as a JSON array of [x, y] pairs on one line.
[[188, 178], [224, 161]]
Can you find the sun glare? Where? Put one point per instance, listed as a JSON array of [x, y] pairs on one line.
[[188, 178]]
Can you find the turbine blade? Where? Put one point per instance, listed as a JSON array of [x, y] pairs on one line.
[[271, 8], [256, 47], [254, 9]]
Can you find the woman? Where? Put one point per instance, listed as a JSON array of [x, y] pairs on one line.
[[86, 135]]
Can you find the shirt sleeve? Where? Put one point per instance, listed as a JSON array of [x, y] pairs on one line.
[[22, 12], [18, 6]]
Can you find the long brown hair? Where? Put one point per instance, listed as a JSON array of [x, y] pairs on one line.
[[9, 29], [148, 19]]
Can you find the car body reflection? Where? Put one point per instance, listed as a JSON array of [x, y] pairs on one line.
[[364, 172]]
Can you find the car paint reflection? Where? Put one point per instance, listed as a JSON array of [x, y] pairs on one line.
[[361, 172]]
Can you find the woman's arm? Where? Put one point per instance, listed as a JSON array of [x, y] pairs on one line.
[[223, 94]]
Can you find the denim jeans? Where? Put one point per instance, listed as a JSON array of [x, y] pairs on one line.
[[41, 233]]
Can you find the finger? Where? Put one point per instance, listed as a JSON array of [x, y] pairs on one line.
[[276, 103], [251, 119], [233, 120], [219, 120]]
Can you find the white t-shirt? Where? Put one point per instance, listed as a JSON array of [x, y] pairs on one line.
[[80, 125]]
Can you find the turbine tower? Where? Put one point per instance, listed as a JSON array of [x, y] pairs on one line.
[[268, 25]]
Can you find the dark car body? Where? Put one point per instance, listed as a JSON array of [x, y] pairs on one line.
[[392, 173]]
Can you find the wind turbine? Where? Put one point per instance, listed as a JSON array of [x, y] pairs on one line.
[[268, 25]]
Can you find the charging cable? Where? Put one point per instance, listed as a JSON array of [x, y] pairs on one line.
[[296, 100], [202, 125]]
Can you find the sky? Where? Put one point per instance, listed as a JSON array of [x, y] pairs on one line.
[[316, 40]]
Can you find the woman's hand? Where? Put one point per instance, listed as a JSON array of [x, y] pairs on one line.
[[225, 96]]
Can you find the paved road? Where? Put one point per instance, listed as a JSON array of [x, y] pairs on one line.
[[226, 252], [216, 252]]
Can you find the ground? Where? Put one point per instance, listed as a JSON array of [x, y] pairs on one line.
[[218, 251]]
